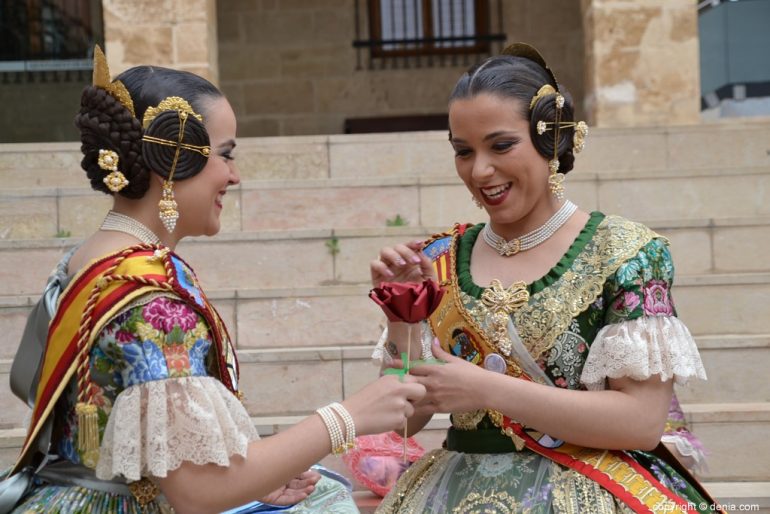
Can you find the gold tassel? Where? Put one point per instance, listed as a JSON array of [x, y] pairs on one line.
[[88, 433]]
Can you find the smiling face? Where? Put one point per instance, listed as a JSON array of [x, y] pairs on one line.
[[200, 198], [496, 160]]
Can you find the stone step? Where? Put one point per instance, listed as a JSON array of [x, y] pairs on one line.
[[742, 496], [425, 201], [297, 258], [275, 380], [627, 151], [734, 435], [312, 316], [273, 336]]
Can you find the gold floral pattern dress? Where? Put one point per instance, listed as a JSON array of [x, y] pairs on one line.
[[604, 311]]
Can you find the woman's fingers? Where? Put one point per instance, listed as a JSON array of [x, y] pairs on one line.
[[415, 391], [380, 271], [442, 354], [398, 256], [311, 476]]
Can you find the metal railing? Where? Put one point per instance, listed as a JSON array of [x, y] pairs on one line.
[[416, 33], [48, 38]]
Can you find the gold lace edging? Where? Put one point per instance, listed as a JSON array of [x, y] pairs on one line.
[[550, 311]]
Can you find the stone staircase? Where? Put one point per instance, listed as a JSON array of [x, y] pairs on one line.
[[311, 212]]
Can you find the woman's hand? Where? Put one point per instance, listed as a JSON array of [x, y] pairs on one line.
[[384, 404], [296, 490], [402, 263], [456, 386]]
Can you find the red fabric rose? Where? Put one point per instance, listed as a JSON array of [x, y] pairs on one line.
[[409, 302]]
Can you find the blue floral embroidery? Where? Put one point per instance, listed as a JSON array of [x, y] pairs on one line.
[[144, 363], [198, 356]]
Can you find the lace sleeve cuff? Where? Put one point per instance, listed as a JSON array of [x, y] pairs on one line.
[[155, 426], [640, 348]]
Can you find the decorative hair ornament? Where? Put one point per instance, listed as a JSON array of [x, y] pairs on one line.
[[108, 161], [171, 103], [579, 138], [556, 179], [167, 205], [101, 79], [544, 91]]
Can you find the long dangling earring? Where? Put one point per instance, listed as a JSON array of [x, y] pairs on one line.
[[477, 202], [556, 179], [167, 205], [108, 161]]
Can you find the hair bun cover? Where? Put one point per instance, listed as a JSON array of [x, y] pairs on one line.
[[160, 147]]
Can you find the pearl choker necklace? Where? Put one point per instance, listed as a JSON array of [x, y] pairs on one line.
[[530, 239], [128, 225]]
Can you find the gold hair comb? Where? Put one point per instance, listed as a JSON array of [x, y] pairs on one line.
[[102, 80]]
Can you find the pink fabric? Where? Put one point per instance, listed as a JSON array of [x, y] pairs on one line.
[[378, 460]]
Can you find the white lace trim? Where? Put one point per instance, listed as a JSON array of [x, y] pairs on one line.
[[686, 449], [155, 426], [640, 348], [426, 340]]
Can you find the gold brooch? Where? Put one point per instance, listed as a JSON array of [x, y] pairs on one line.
[[502, 302]]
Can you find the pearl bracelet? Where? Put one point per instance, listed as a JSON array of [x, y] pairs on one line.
[[350, 426], [333, 427]]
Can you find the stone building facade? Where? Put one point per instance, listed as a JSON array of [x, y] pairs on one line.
[[289, 66]]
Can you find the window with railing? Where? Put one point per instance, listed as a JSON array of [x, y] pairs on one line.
[[38, 36], [426, 32]]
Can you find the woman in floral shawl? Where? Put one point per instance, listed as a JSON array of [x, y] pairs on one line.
[[137, 407], [558, 329]]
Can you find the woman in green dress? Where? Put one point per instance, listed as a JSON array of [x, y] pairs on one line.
[[558, 330]]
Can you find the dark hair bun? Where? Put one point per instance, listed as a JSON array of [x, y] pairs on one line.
[[545, 110], [160, 157], [105, 123]]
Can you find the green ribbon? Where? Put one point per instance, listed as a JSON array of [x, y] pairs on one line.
[[403, 371]]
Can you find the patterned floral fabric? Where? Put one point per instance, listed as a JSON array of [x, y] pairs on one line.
[[159, 343], [642, 286], [163, 338]]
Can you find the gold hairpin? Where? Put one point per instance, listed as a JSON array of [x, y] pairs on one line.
[[101, 79], [171, 103], [167, 205], [578, 139], [546, 90]]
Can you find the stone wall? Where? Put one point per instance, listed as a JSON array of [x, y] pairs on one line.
[[642, 62], [179, 34], [289, 67]]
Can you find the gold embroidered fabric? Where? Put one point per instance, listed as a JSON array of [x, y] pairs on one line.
[[550, 311], [495, 484], [408, 493]]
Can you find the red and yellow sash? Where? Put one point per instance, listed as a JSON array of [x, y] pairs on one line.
[[615, 471], [94, 296]]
